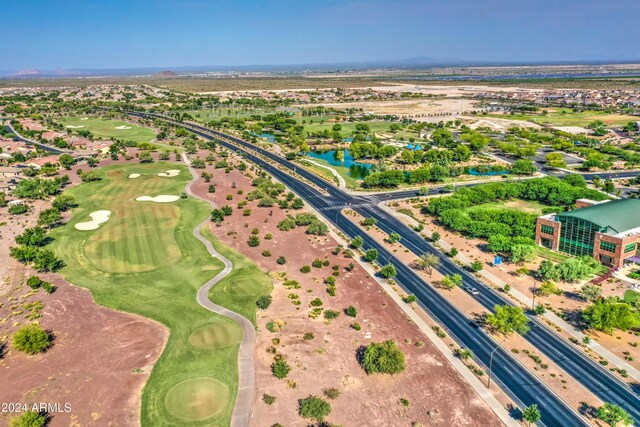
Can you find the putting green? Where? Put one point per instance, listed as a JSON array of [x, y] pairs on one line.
[[197, 399], [216, 335], [145, 260]]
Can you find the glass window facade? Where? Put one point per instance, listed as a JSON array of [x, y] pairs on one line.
[[546, 229], [629, 248], [577, 235], [607, 246]]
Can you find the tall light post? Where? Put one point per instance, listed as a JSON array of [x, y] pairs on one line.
[[533, 300], [491, 361]]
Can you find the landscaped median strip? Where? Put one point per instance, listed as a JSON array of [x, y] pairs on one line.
[[527, 302]]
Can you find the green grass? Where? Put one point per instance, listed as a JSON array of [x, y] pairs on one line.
[[106, 128], [527, 206], [547, 253], [566, 117], [631, 296], [342, 171], [145, 260]]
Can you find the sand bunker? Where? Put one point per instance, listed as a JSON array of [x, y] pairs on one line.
[[158, 199], [123, 127], [97, 218], [170, 173], [74, 127], [134, 175]]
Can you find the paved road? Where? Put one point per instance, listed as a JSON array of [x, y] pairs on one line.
[[45, 147], [246, 374], [523, 387]]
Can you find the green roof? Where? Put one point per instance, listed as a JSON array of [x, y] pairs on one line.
[[617, 215]]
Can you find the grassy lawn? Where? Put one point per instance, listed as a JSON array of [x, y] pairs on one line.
[[106, 128], [326, 174], [566, 117], [145, 260], [342, 171], [527, 206], [631, 296]]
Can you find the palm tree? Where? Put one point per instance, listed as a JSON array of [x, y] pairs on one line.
[[427, 262]]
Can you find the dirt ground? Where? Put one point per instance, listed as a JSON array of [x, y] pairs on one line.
[[567, 305], [100, 359], [566, 387], [329, 359], [412, 108]]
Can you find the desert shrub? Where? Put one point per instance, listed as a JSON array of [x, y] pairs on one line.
[[331, 392], [286, 224], [305, 269], [281, 260], [308, 336], [264, 302], [29, 419], [31, 339], [34, 282], [268, 399], [317, 263], [317, 302], [253, 241], [331, 314], [313, 408], [351, 311], [280, 368], [318, 228], [266, 253], [382, 357]]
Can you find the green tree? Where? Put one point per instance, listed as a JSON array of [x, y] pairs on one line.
[[590, 292], [45, 260], [531, 414], [35, 236], [66, 161], [523, 167], [49, 217], [64, 202], [613, 415], [611, 313], [371, 255], [29, 419], [264, 301], [314, 408], [357, 242], [450, 281], [388, 271], [522, 253], [508, 319], [427, 262], [31, 339]]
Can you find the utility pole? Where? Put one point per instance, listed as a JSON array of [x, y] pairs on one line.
[[533, 300]]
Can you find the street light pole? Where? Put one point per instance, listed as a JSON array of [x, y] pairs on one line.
[[533, 301], [491, 361]]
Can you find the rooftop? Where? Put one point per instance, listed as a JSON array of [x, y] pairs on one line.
[[617, 216]]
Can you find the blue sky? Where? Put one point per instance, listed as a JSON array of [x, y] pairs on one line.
[[51, 34]]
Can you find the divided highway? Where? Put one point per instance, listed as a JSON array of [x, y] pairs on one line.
[[522, 386]]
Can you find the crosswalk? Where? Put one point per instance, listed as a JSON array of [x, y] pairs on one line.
[[346, 206]]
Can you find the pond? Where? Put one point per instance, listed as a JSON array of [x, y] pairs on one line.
[[342, 158]]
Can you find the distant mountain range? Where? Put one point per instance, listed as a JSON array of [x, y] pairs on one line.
[[402, 64]]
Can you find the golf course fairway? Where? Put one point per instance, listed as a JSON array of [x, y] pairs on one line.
[[145, 260]]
